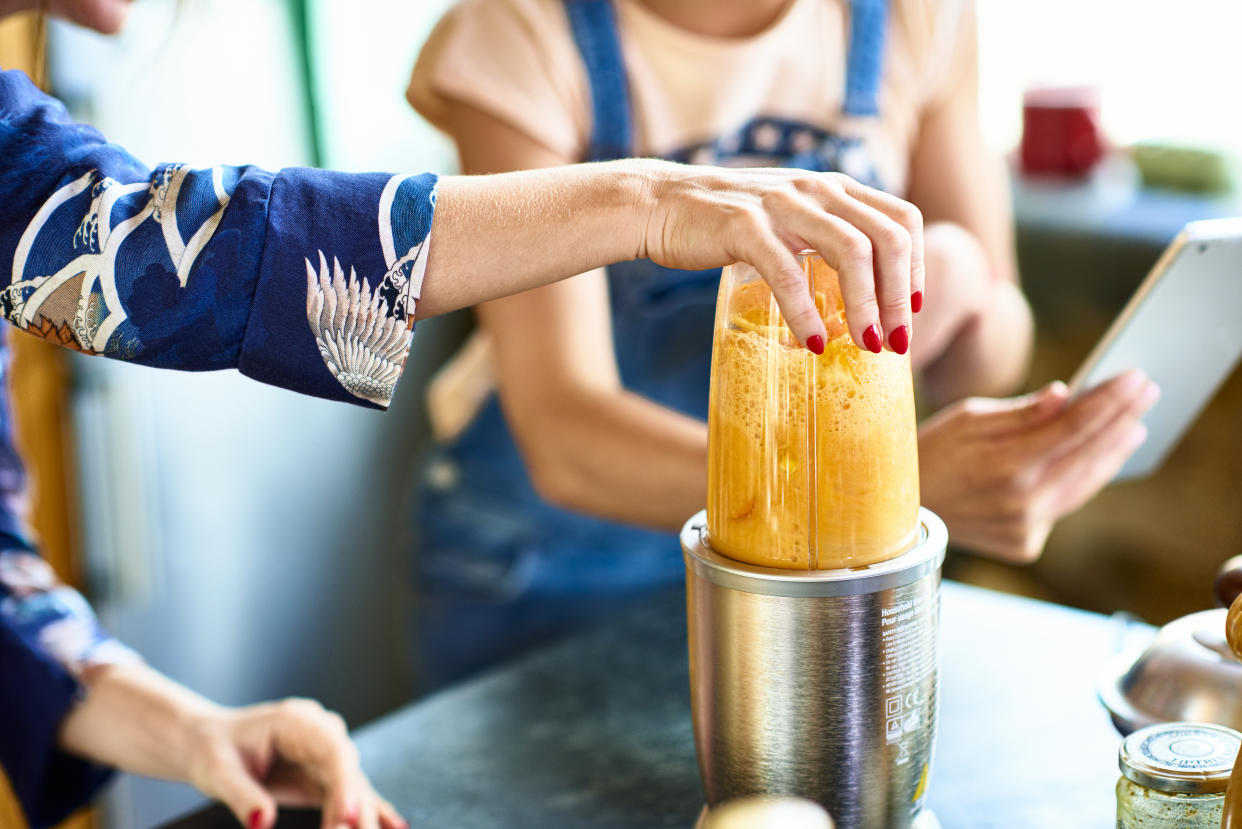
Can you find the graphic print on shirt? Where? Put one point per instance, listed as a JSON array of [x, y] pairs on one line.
[[64, 286], [782, 142], [364, 335]]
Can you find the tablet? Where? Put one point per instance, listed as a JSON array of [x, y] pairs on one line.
[[1183, 329]]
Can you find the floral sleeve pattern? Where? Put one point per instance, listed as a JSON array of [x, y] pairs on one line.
[[51, 618], [304, 279], [225, 267], [48, 636]]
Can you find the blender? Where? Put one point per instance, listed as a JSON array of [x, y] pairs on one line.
[[813, 576]]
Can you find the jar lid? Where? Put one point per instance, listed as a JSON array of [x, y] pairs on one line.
[[1181, 757]]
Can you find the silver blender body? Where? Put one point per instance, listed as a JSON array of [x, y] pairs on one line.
[[817, 683]]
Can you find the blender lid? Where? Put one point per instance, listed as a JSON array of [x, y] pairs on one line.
[[924, 558]]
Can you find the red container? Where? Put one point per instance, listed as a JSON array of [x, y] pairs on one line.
[[1061, 132]]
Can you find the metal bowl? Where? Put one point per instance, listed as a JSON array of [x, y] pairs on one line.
[[1186, 673]]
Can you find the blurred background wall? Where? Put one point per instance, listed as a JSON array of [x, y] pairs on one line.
[[253, 544]]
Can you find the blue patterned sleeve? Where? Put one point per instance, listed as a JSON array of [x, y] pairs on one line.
[[304, 279], [48, 635]]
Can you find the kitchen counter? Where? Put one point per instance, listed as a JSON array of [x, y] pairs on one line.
[[594, 732]]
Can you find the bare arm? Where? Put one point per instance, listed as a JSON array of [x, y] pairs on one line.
[[290, 752], [494, 235], [976, 330], [497, 235], [589, 444]]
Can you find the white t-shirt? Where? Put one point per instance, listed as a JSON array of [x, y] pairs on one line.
[[516, 60]]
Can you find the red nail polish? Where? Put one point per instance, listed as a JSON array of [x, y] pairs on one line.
[[815, 343], [900, 339], [255, 821], [916, 301], [872, 339], [351, 814]]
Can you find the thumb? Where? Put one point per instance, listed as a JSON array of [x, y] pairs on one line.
[[231, 782]]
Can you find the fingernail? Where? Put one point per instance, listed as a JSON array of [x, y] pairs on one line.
[[900, 339], [916, 301], [1138, 434], [255, 821], [1150, 394], [815, 343], [351, 814], [872, 339]]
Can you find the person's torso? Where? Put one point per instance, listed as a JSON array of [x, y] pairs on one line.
[[655, 90]]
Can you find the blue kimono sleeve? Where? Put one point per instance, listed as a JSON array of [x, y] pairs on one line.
[[304, 279], [48, 634]]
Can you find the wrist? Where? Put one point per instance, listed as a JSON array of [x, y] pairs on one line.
[[136, 720], [190, 725], [201, 734], [641, 181]]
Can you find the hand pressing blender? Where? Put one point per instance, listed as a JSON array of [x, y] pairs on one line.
[[813, 576]]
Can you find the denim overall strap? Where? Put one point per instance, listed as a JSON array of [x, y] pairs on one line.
[[594, 25], [865, 59]]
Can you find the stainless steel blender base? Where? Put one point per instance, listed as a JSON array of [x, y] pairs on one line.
[[925, 820]]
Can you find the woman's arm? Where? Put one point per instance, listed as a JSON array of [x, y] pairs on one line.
[[48, 633], [588, 443], [77, 704], [310, 279], [499, 234], [975, 332], [303, 278], [291, 752]]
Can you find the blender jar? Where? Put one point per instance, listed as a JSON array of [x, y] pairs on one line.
[[812, 460]]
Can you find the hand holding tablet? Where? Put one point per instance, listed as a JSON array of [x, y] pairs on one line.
[[1183, 329]]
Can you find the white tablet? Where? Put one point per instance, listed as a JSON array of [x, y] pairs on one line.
[[1183, 329]]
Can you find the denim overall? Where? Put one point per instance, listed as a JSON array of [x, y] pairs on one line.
[[499, 568]]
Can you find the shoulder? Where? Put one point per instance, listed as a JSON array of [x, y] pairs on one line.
[[929, 27], [512, 59], [936, 41], [536, 15], [501, 24]]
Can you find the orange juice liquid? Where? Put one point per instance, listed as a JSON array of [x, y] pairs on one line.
[[812, 460]]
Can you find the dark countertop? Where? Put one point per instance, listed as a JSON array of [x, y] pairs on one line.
[[595, 731]]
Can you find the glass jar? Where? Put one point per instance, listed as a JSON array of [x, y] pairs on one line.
[[812, 460], [1173, 776]]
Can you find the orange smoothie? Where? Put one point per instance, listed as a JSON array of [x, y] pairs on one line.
[[812, 460]]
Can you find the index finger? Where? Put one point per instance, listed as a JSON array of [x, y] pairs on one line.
[[780, 269], [1085, 417]]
